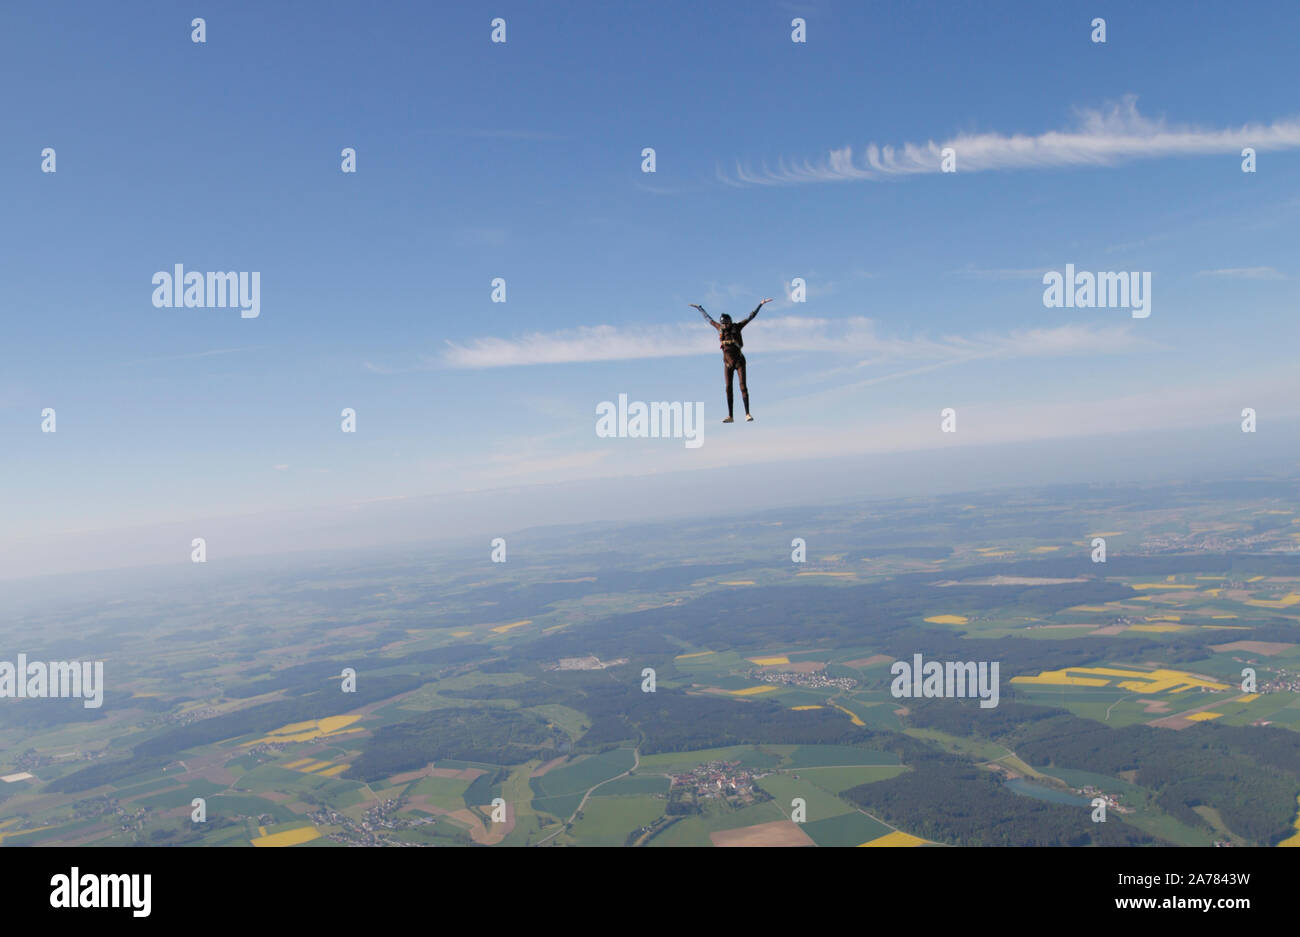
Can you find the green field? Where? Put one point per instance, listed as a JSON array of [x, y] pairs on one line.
[[181, 797], [445, 793], [839, 778], [749, 756], [819, 755], [607, 821], [850, 829], [233, 806], [785, 787], [979, 749], [572, 721], [577, 776], [634, 784], [695, 830]]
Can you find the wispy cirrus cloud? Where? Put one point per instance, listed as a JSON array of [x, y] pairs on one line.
[[857, 336], [1244, 273], [1106, 137], [195, 354]]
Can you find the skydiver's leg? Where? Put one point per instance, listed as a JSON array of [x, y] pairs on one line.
[[729, 368], [744, 388]]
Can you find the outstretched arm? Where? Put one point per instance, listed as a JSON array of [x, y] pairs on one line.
[[745, 321], [707, 317]]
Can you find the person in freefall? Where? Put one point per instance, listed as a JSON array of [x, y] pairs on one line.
[[733, 359]]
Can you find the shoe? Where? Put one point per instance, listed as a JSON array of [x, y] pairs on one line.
[[748, 418], [728, 420]]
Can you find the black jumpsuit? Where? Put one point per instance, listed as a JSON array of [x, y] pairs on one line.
[[733, 359]]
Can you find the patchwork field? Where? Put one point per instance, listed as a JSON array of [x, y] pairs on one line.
[[773, 685]]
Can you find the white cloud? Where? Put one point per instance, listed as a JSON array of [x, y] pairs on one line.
[[1245, 273], [196, 354], [853, 336], [1097, 138], [985, 420]]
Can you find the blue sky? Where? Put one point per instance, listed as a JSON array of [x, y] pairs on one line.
[[523, 160]]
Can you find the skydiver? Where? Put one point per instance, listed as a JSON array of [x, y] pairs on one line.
[[733, 359]]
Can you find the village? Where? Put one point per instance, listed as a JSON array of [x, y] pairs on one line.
[[370, 829], [585, 663], [724, 781], [1112, 800], [816, 681]]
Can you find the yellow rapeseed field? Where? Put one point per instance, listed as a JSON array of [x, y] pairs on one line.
[[1140, 681], [288, 838], [34, 829], [311, 729], [1285, 602], [896, 838], [853, 717]]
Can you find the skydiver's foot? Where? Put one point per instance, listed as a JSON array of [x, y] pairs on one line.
[[748, 418], [728, 420]]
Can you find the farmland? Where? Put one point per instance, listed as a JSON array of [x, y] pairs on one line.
[[772, 690]]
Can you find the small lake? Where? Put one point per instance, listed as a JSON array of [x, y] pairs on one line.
[[1029, 788]]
